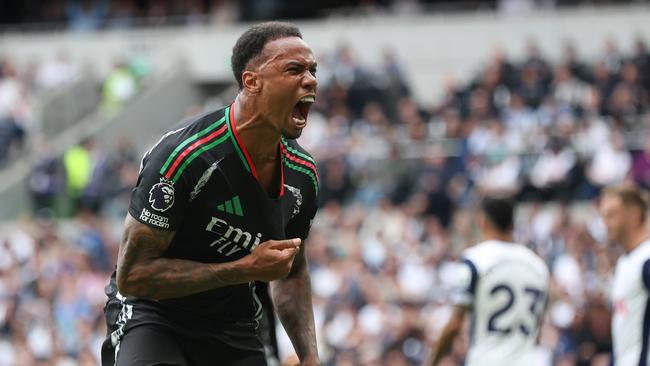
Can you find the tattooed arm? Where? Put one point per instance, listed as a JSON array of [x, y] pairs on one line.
[[143, 272], [292, 299]]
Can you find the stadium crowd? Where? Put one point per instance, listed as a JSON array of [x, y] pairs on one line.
[[399, 188], [22, 87], [28, 91], [392, 223], [94, 15]]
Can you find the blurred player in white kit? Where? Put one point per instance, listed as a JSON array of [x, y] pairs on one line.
[[504, 286], [623, 210]]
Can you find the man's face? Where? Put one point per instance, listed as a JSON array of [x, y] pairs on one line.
[[615, 217], [287, 77]]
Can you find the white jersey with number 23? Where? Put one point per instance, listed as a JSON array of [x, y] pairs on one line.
[[506, 286]]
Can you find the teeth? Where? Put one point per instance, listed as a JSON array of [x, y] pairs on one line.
[[307, 99], [298, 120]]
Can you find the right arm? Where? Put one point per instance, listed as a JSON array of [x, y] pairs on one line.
[[462, 297], [143, 272], [449, 333]]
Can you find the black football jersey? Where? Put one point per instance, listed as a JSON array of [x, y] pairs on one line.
[[199, 182]]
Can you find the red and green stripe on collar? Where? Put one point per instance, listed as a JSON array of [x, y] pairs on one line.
[[299, 162], [206, 139], [192, 147]]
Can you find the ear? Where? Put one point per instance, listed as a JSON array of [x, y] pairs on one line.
[[251, 81]]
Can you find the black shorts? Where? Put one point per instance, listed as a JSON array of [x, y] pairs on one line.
[[142, 335]]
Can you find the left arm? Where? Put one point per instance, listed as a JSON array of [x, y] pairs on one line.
[[292, 300]]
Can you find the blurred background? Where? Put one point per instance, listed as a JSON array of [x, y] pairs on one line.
[[423, 106]]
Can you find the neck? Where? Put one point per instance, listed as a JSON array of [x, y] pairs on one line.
[[257, 134], [635, 239], [495, 235]]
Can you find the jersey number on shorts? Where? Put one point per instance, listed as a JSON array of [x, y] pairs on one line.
[[536, 299]]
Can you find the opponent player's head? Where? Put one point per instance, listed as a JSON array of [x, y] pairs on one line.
[[497, 219], [623, 210], [273, 65]]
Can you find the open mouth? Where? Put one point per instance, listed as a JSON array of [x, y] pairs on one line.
[[301, 110]]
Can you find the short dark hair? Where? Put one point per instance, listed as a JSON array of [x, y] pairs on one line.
[[252, 42], [500, 212], [630, 195]]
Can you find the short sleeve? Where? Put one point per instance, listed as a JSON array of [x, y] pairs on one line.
[[645, 274], [464, 285], [158, 201]]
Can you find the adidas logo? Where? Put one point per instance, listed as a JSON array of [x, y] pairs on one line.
[[232, 206]]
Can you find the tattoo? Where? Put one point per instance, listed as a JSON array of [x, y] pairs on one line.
[[292, 299], [142, 272]]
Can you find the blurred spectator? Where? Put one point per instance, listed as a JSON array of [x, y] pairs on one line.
[[434, 177], [532, 88], [14, 109], [78, 165], [550, 176], [627, 96], [571, 59], [46, 179], [120, 86], [641, 59], [612, 58], [86, 175], [603, 80], [495, 165], [56, 72], [568, 90], [86, 15], [521, 124], [611, 163], [641, 166]]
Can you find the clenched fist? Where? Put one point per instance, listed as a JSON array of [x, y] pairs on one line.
[[271, 260]]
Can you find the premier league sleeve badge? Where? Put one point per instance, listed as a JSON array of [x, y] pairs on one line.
[[161, 195]]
